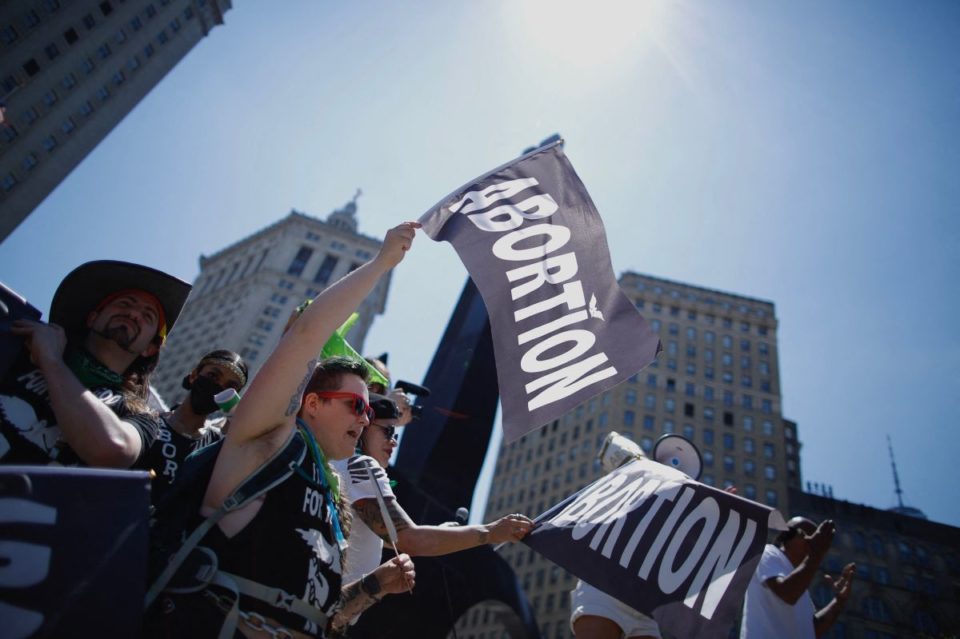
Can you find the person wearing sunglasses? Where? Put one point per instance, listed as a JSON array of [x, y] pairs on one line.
[[367, 490], [283, 552]]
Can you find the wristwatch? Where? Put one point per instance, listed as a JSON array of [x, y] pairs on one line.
[[371, 586]]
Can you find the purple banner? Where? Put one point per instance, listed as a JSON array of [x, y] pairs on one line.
[[535, 246]]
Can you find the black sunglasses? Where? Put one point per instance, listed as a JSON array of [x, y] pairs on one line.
[[389, 431]]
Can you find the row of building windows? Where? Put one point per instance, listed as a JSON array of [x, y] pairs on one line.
[[690, 296], [708, 319]]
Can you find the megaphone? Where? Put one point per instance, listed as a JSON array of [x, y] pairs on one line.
[[678, 452], [617, 450]]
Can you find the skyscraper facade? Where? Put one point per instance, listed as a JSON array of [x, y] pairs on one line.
[[716, 382], [245, 293], [70, 72]]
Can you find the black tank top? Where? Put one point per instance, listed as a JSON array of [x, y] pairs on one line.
[[289, 544]]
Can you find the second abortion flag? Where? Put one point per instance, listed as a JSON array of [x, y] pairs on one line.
[[535, 246]]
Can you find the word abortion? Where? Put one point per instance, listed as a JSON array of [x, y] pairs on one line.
[[561, 376]]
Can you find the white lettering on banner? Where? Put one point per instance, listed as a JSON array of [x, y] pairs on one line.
[[603, 509], [23, 564], [564, 373], [493, 193]]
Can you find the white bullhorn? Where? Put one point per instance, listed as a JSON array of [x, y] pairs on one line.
[[678, 452]]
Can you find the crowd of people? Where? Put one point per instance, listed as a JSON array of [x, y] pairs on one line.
[[300, 557]]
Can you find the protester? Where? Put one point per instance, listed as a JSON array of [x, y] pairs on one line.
[[187, 427], [284, 551], [79, 393], [398, 396], [367, 490], [778, 603]]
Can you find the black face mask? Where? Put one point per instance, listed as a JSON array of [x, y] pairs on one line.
[[201, 395]]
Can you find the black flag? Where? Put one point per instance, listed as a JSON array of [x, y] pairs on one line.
[[674, 549], [535, 246]]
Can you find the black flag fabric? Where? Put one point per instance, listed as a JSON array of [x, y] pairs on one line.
[[674, 549], [535, 246]]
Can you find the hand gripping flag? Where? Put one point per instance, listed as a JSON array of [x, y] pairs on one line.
[[535, 246]]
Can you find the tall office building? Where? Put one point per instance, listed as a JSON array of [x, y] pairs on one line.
[[717, 383], [244, 294], [70, 71]]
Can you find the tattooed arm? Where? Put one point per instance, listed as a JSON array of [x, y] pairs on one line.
[[430, 541], [397, 575]]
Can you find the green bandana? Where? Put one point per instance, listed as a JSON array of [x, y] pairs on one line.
[[90, 371]]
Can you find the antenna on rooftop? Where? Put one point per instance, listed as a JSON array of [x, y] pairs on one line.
[[896, 478]]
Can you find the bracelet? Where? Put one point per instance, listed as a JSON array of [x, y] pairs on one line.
[[370, 586]]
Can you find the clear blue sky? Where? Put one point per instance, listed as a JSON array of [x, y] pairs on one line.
[[806, 153]]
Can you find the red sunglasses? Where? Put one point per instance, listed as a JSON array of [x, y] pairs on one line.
[[360, 405]]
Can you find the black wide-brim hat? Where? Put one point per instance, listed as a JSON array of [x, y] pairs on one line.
[[86, 286]]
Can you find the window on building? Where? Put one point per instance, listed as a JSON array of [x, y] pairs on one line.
[[669, 404], [771, 498], [630, 397], [876, 609], [707, 414], [50, 143], [52, 51], [748, 445], [119, 78], [727, 418], [136, 24], [628, 417], [770, 472], [749, 467], [103, 93], [767, 427], [326, 270], [648, 422], [162, 37], [148, 51], [300, 261], [708, 436], [29, 161], [9, 181], [68, 125], [9, 34], [31, 68]]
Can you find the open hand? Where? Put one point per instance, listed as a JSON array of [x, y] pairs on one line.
[[821, 539], [842, 584]]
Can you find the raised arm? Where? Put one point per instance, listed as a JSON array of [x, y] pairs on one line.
[[791, 587], [431, 541], [273, 398], [266, 417]]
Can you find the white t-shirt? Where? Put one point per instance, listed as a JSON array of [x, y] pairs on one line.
[[364, 546], [767, 615]]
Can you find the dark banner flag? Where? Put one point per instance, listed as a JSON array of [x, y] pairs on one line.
[[535, 246], [674, 549], [73, 551]]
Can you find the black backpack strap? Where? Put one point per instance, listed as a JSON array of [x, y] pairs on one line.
[[272, 472]]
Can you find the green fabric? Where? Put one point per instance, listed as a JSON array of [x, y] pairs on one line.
[[90, 371], [338, 345]]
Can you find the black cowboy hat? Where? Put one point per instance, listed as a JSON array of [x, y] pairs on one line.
[[89, 284]]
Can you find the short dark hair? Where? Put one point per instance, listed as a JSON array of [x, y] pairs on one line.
[[794, 527], [329, 373]]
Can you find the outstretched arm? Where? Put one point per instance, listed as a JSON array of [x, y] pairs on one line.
[[431, 541]]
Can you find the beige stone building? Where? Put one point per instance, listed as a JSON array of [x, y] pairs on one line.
[[244, 293], [716, 382], [69, 73]]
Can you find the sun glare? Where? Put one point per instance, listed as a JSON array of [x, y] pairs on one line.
[[590, 34]]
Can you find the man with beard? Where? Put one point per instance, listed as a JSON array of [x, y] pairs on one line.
[[77, 395], [187, 428]]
